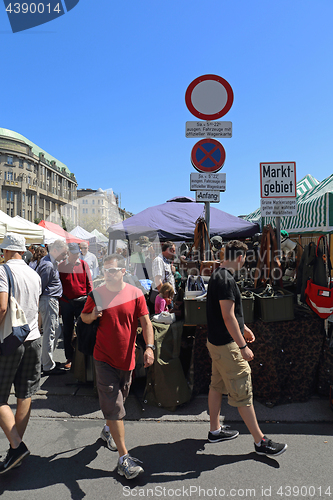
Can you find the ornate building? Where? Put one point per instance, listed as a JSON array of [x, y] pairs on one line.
[[34, 184]]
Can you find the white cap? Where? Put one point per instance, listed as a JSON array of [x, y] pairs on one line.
[[14, 242]]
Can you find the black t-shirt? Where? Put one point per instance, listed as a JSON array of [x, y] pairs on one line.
[[222, 286]]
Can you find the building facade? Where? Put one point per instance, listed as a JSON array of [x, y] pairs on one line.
[[98, 209], [34, 184]]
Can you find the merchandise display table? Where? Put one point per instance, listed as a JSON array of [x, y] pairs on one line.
[[286, 358]]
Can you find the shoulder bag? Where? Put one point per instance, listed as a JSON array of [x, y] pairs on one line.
[[320, 298], [14, 329], [86, 334]]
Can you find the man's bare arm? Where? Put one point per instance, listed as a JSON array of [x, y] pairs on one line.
[[148, 335], [228, 313], [3, 305]]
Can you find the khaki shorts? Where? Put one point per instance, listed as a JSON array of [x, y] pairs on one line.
[[231, 374], [113, 386]]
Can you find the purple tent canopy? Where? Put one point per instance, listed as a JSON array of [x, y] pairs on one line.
[[175, 220]]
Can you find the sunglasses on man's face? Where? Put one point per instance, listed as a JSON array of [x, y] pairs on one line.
[[112, 270]]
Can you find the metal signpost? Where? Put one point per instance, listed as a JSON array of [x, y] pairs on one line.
[[278, 192], [208, 97]]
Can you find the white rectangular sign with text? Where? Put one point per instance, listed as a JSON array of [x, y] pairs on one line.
[[209, 129], [278, 180], [207, 182], [278, 207]]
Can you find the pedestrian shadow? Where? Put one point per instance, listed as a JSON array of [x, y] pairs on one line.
[[41, 472], [163, 463], [185, 459]]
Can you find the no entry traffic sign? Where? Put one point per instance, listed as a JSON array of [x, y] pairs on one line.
[[209, 97], [208, 155]]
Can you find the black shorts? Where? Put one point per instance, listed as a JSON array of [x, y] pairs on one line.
[[22, 368]]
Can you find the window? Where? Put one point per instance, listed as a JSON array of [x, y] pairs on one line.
[[23, 214], [29, 167], [10, 160], [93, 202], [98, 201], [93, 210], [21, 163], [23, 197], [29, 179]]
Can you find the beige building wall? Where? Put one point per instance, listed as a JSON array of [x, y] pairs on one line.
[[34, 185]]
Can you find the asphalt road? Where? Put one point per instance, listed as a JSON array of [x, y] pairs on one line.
[[69, 461]]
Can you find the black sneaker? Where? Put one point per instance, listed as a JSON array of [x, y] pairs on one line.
[[223, 435], [14, 456], [268, 447]]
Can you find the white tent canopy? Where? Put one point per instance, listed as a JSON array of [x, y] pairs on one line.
[[33, 235], [49, 237], [81, 233], [100, 237]]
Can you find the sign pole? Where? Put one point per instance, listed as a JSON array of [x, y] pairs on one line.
[[207, 218]]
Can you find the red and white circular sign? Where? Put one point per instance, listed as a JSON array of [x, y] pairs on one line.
[[209, 97]]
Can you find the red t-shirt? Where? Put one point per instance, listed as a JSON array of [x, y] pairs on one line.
[[76, 279], [116, 333]]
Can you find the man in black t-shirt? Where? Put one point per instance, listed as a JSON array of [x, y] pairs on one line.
[[230, 353]]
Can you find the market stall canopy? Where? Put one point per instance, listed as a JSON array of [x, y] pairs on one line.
[[33, 235], [55, 228], [100, 237], [176, 220], [80, 232], [314, 208], [303, 186], [49, 237]]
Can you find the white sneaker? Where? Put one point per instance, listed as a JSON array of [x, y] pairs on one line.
[[106, 436], [128, 468]]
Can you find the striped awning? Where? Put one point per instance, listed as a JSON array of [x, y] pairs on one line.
[[314, 200]]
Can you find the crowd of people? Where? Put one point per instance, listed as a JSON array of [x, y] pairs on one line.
[[58, 282]]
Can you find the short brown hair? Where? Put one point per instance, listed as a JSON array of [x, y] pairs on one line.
[[166, 245], [167, 290], [116, 256], [234, 249]]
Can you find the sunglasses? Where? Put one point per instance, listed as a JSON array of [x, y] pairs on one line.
[[112, 270]]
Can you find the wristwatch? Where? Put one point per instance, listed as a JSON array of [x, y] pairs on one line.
[[152, 347]]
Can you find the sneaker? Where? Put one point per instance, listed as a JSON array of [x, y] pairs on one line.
[[268, 447], [13, 457], [223, 435], [106, 436], [128, 468]]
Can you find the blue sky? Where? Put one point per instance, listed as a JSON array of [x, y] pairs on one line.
[[102, 89]]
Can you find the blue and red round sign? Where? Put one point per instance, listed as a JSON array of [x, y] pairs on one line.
[[208, 156]]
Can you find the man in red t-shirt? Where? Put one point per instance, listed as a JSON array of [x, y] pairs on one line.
[[120, 305], [76, 284]]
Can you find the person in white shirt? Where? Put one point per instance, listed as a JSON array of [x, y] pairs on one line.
[[90, 259], [23, 367]]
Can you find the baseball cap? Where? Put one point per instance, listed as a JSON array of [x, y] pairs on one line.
[[73, 248]]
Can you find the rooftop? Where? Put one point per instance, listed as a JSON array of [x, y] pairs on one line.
[[35, 149]]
